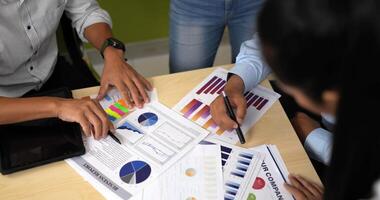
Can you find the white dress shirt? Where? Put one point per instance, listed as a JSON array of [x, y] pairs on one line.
[[28, 46], [251, 68]]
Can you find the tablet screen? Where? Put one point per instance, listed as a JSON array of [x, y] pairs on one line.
[[28, 144]]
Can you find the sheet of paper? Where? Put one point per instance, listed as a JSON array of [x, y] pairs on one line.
[[153, 139], [239, 165], [197, 176], [196, 105], [269, 183]]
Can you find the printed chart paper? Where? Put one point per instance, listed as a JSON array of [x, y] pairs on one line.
[[197, 176], [153, 139], [196, 105], [239, 165], [269, 184]]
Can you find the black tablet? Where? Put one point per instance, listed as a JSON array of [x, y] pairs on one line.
[[34, 143]]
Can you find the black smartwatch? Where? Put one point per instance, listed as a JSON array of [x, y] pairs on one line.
[[113, 42]]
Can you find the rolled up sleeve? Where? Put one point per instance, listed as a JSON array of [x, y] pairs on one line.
[[84, 13], [250, 66], [318, 145]]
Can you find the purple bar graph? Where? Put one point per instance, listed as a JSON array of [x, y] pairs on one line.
[[258, 102], [262, 104], [218, 87], [206, 85], [249, 103], [212, 86], [192, 109]]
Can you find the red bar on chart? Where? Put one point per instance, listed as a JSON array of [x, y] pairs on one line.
[[204, 113], [212, 86], [113, 108], [249, 103], [209, 123], [206, 85], [218, 87], [262, 104], [258, 102]]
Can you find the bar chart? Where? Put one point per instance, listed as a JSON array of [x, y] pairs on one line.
[[199, 112], [196, 105]]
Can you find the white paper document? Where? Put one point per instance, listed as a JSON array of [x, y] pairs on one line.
[[197, 176], [269, 184], [196, 105], [153, 139], [239, 165]]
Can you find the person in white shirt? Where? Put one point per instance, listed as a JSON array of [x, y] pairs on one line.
[[28, 55]]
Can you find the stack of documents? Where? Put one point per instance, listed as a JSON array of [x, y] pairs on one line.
[[181, 153]]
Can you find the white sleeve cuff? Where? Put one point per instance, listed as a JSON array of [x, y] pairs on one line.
[[318, 145]]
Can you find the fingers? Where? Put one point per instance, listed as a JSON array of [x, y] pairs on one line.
[[309, 186], [102, 116], [125, 93], [220, 116], [141, 89], [102, 91], [240, 104], [148, 86], [296, 183], [295, 192], [85, 124]]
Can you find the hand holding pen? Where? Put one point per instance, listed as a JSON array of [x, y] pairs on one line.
[[233, 117]]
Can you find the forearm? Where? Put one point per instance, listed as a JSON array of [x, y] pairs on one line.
[[14, 110], [96, 34]]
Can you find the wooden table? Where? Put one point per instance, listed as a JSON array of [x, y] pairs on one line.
[[59, 181]]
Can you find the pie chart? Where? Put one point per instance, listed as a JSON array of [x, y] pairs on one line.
[[147, 119], [135, 172]]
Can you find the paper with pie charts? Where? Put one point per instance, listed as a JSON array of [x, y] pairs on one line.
[[153, 139]]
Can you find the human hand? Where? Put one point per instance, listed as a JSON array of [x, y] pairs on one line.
[[303, 189], [234, 90], [88, 113], [303, 125], [117, 72]]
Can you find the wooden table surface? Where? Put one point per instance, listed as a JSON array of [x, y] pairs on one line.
[[59, 181]]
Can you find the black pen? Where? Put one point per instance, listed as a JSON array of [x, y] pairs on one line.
[[114, 137], [233, 117]]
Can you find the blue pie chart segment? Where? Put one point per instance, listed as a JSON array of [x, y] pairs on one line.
[[135, 172], [147, 119]]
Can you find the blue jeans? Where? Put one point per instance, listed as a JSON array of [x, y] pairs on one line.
[[197, 26]]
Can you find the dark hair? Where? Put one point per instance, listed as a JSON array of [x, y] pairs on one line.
[[318, 45]]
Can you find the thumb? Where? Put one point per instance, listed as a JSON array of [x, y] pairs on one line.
[[102, 91]]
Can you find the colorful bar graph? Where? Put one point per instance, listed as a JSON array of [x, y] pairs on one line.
[[262, 104], [218, 87], [112, 114], [190, 107], [212, 86], [204, 113], [116, 110], [206, 85]]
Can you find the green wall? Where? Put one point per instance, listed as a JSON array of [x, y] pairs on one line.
[[138, 20]]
